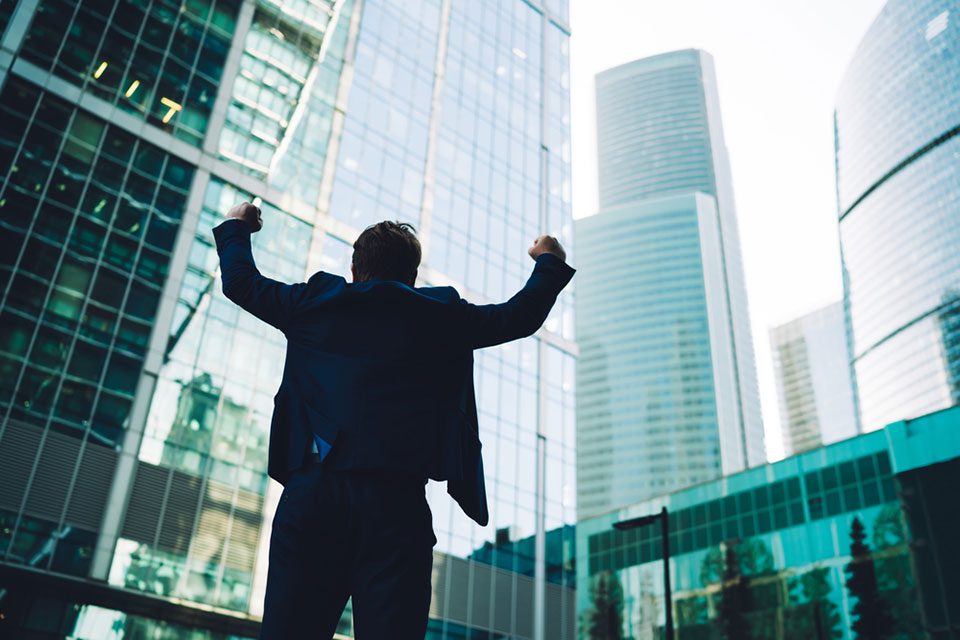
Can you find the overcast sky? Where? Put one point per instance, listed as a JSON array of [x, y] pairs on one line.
[[779, 65]]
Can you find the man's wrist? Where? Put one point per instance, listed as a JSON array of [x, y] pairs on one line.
[[247, 226], [552, 256], [552, 264]]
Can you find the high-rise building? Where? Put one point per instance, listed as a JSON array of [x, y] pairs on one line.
[[810, 362], [666, 379], [897, 126], [135, 399], [770, 546]]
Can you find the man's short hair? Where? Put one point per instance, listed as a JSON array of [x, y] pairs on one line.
[[387, 251]]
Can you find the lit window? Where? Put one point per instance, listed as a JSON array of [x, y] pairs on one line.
[[172, 107]]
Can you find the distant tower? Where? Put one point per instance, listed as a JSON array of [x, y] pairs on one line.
[[666, 379], [897, 127], [813, 379]]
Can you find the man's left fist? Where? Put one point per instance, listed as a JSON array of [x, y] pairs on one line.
[[249, 214]]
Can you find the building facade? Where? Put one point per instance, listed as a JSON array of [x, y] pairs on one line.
[[897, 122], [135, 399], [810, 363], [666, 378], [769, 547]]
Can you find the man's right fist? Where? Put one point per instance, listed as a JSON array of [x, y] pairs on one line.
[[547, 244], [249, 214]]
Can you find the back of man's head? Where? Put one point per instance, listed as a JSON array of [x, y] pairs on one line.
[[387, 251]]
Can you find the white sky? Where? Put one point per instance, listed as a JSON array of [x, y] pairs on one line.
[[779, 64]]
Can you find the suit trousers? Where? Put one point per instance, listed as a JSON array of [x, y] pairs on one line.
[[338, 534]]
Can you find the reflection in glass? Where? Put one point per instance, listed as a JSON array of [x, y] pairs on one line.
[[161, 62], [87, 277], [210, 413], [281, 111]]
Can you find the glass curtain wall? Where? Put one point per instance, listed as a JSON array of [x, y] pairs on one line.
[[161, 61], [898, 187], [332, 115], [765, 553], [88, 229]]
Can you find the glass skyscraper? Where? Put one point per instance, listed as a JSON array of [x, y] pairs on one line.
[[135, 399], [898, 189], [810, 362], [666, 379]]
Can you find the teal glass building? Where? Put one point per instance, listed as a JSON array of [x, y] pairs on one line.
[[776, 540], [135, 399], [666, 379], [897, 122]]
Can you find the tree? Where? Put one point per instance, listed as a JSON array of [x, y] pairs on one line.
[[711, 567], [812, 613], [604, 621], [894, 574], [755, 558], [872, 620], [762, 590], [733, 599]]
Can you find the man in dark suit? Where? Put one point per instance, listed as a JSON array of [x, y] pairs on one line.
[[377, 396]]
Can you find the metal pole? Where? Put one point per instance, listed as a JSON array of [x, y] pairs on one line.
[[665, 533], [818, 620], [540, 544]]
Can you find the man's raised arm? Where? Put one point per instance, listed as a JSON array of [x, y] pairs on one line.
[[525, 312], [271, 301]]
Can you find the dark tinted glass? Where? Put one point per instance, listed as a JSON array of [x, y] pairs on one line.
[[77, 254]]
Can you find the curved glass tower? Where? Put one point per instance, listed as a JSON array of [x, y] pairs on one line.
[[666, 379], [898, 188]]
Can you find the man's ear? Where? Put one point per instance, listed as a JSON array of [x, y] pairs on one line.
[[413, 280], [353, 272]]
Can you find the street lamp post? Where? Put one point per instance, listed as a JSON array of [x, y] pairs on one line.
[[664, 518]]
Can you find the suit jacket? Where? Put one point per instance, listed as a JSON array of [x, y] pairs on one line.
[[383, 372]]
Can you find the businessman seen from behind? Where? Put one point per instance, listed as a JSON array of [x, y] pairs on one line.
[[376, 398]]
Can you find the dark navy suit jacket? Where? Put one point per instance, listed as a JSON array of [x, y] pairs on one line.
[[381, 371]]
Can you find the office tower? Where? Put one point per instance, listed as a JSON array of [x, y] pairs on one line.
[[898, 198], [135, 399], [810, 361], [784, 531], [666, 378]]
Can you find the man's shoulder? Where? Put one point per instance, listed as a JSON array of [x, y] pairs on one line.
[[325, 284], [324, 278], [443, 294]]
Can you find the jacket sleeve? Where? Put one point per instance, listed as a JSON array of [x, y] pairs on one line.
[[273, 302], [520, 316]]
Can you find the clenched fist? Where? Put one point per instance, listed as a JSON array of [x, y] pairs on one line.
[[547, 244], [249, 214]]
